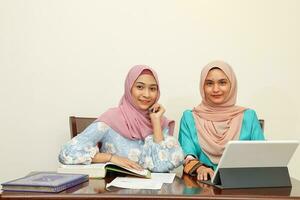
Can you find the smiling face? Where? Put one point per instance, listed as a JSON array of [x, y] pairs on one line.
[[216, 86], [144, 91]]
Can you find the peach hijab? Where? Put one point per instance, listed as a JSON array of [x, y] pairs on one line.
[[218, 124]]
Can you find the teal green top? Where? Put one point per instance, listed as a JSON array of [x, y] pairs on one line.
[[188, 137]]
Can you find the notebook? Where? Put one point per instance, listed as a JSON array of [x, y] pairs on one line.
[[44, 182]]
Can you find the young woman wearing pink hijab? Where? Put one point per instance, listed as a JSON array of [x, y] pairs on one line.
[[135, 134], [205, 130]]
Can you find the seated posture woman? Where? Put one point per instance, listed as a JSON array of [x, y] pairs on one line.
[[135, 134], [205, 130]]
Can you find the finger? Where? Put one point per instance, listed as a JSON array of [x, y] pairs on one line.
[[128, 165], [205, 176], [161, 107], [154, 105], [123, 162], [156, 108], [139, 166], [136, 166], [151, 109], [133, 165], [200, 177], [211, 174], [162, 110]]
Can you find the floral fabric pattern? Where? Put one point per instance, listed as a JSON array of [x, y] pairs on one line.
[[157, 157]]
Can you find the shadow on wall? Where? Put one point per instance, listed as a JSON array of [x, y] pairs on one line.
[[280, 111], [176, 106]]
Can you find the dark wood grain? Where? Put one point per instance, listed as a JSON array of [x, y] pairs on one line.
[[182, 188]]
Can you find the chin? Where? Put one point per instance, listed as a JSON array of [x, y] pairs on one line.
[[218, 102], [143, 107]]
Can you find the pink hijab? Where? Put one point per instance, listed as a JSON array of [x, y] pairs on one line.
[[127, 119], [218, 124]]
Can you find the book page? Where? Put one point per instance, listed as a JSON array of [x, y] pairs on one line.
[[90, 166], [142, 173], [95, 170]]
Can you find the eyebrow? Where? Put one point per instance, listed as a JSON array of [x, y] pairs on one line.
[[222, 79], [154, 84]]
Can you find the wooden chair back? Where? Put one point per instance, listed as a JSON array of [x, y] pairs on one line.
[[78, 124], [262, 123]]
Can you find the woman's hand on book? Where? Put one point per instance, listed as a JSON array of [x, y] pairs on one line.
[[203, 173], [125, 162]]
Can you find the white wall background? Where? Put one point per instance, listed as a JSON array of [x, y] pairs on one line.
[[70, 57]]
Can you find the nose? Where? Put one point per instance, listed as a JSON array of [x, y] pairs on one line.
[[215, 88], [146, 93]]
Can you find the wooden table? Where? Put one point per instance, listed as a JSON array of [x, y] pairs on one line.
[[182, 188]]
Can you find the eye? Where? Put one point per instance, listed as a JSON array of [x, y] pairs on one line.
[[223, 82], [153, 89], [140, 87], [208, 83]]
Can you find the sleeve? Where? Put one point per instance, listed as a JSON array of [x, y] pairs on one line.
[[161, 157], [185, 137], [82, 148], [191, 167], [256, 131]]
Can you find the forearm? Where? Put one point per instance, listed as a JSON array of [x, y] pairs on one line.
[[101, 157], [157, 132], [82, 148], [163, 156]]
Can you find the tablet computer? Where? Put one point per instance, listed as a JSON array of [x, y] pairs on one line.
[[257, 158]]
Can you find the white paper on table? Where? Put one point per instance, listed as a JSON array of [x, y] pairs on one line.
[[163, 177], [135, 183]]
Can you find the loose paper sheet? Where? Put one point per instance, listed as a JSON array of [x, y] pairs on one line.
[[163, 177], [135, 183], [155, 183]]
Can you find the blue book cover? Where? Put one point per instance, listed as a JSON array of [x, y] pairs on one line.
[[45, 182]]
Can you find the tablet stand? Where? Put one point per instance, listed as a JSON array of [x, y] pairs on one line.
[[252, 177]]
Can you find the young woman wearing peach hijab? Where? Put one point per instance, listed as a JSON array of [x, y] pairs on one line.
[[205, 130]]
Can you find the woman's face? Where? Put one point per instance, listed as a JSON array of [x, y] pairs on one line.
[[216, 86], [144, 91]]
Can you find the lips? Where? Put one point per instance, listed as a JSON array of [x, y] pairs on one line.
[[216, 96], [144, 101]]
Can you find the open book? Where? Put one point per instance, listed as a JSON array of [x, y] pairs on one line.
[[98, 170]]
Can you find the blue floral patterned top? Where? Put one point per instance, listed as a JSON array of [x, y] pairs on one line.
[[157, 157]]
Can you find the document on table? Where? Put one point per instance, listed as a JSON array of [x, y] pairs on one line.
[[155, 183], [163, 177], [135, 183]]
